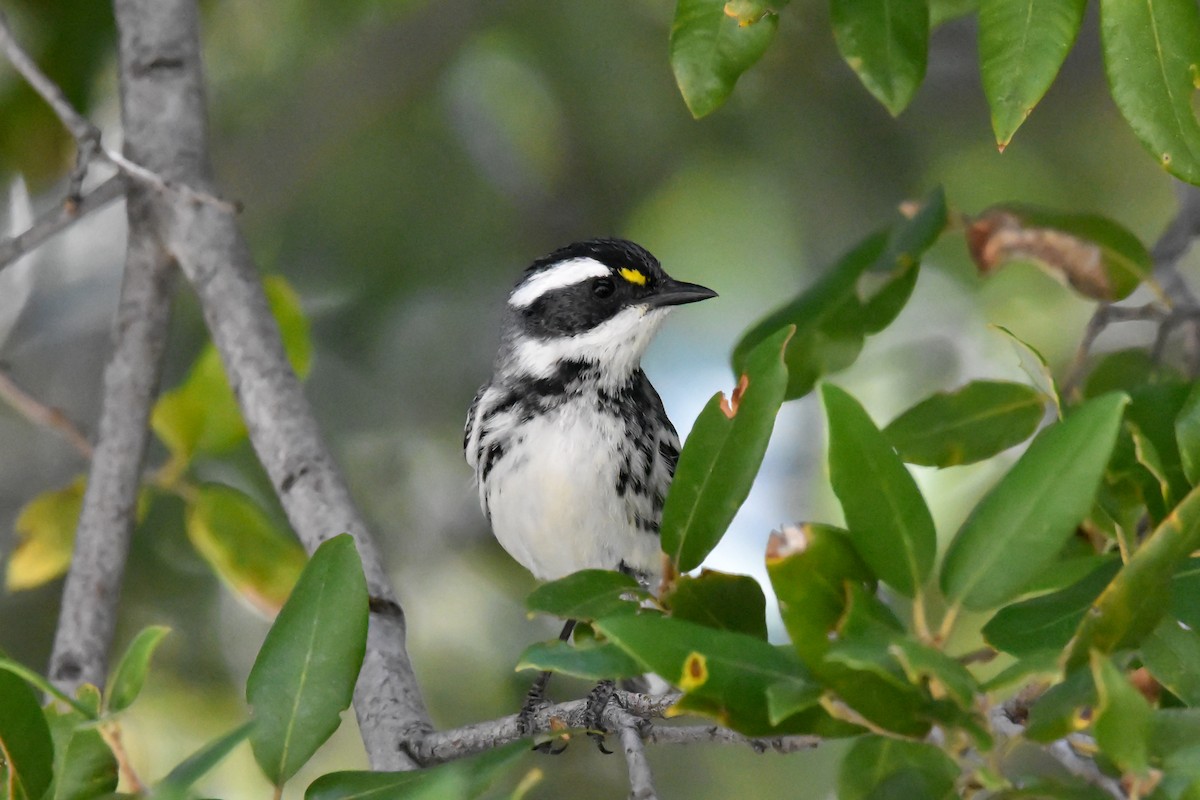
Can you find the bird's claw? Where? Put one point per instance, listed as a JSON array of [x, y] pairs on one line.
[[597, 701]]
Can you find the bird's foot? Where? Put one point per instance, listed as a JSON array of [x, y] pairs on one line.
[[593, 715], [535, 700]]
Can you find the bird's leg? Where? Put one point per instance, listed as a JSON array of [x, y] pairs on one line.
[[537, 696], [597, 701]]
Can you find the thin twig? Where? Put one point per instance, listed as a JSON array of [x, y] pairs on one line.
[[76, 124], [86, 134], [641, 780], [716, 734], [39, 413], [58, 218]]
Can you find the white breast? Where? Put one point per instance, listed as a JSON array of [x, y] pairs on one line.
[[553, 502]]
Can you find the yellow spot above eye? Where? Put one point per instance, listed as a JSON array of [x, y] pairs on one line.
[[633, 276]]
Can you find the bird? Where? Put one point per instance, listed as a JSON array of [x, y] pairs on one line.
[[571, 448]]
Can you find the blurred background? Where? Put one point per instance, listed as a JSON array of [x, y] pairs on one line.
[[399, 164]]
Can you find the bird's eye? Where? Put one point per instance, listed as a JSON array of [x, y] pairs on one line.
[[603, 287]]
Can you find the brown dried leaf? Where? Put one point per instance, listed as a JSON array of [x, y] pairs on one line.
[[997, 237]]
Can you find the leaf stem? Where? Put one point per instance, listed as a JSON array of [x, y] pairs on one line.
[[948, 620], [919, 617]]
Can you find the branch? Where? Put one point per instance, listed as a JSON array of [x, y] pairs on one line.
[[39, 413], [92, 591], [440, 746], [165, 121], [57, 219], [641, 782], [79, 127]]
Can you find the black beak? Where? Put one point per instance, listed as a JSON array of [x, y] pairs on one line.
[[676, 293]]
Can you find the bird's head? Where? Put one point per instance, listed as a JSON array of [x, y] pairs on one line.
[[598, 302]]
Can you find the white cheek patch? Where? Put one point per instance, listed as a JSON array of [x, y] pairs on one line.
[[560, 276], [617, 343]]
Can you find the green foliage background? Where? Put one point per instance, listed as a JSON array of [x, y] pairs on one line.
[[399, 163]]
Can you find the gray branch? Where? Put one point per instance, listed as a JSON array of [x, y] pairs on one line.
[[59, 218], [90, 597], [78, 126], [641, 780], [165, 128]]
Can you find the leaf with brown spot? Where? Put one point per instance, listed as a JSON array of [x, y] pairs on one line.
[[1093, 255]]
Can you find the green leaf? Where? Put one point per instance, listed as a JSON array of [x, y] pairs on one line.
[[1033, 364], [1043, 663], [970, 424], [587, 594], [886, 42], [721, 457], [88, 709], [878, 767], [26, 748], [1033, 509], [944, 676], [84, 766], [462, 779], [1063, 709], [1022, 45], [593, 662], [45, 532], [201, 415], [1092, 254], [1139, 597], [1152, 413], [1171, 654], [789, 698], [175, 786], [1187, 434], [720, 600], [1123, 718], [711, 49], [1049, 620], [943, 11], [1185, 593], [126, 682], [888, 520], [1151, 52], [810, 565], [856, 297], [305, 672], [731, 671], [256, 559]]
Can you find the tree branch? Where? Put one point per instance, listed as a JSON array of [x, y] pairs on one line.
[[59, 218], [641, 781], [92, 591], [165, 128]]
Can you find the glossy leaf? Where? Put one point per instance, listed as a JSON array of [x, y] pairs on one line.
[[305, 672], [810, 565], [26, 748], [1049, 620], [1065, 708], [722, 455], [710, 49], [586, 595], [881, 767], [254, 557], [1033, 364], [45, 533], [84, 765], [1033, 509], [886, 42], [1123, 371], [1185, 593], [1022, 45], [462, 779], [1093, 255], [720, 600], [1123, 718], [1151, 50], [1041, 664], [854, 298], [972, 423], [944, 676], [130, 675], [1187, 435], [1139, 596], [1152, 412], [593, 662], [888, 520], [1172, 653], [180, 779], [201, 415], [731, 671]]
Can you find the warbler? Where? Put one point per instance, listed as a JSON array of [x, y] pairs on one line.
[[571, 447]]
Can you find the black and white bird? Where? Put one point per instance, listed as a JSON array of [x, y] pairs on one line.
[[571, 447]]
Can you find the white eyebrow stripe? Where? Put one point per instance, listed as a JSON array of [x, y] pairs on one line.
[[567, 273]]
